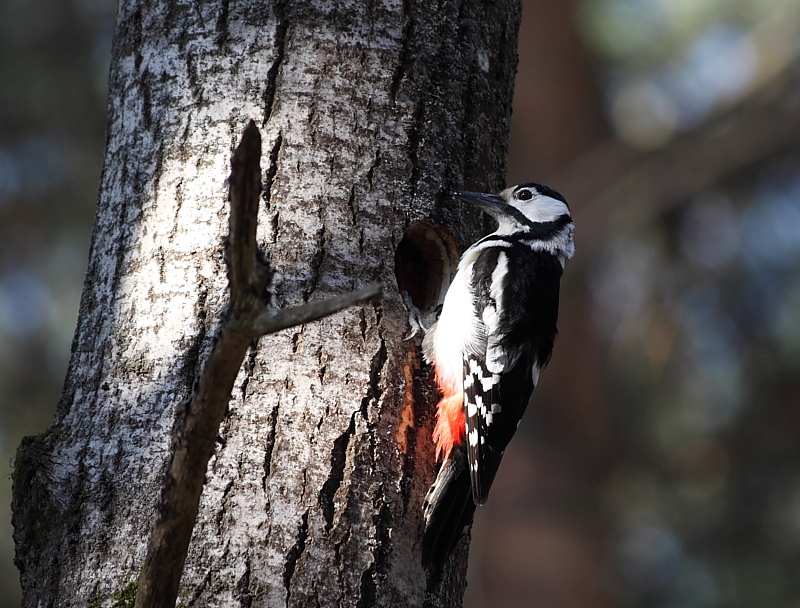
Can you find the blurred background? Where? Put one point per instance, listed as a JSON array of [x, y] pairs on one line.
[[54, 57], [659, 463]]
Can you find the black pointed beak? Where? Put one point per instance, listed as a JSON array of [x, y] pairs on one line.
[[490, 203]]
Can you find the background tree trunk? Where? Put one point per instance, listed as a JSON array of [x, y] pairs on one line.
[[370, 111]]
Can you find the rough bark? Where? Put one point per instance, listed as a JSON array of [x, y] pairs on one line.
[[370, 111]]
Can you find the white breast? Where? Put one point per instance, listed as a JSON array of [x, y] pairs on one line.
[[458, 329]]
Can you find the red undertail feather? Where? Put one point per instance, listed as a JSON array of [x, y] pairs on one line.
[[451, 425]]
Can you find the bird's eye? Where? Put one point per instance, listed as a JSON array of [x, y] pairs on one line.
[[524, 195]]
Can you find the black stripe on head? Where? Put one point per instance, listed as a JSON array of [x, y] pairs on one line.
[[543, 190], [542, 231], [518, 216]]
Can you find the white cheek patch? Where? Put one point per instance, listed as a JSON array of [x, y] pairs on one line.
[[542, 209]]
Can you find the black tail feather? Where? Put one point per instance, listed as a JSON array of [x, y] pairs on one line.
[[449, 509]]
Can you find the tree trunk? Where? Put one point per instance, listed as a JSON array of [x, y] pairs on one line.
[[370, 112]]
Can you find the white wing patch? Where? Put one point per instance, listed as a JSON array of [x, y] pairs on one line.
[[488, 382], [496, 357]]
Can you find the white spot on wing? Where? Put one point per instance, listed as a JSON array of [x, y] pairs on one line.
[[474, 368], [535, 374]]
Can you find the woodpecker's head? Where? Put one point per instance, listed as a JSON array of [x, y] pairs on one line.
[[538, 214]]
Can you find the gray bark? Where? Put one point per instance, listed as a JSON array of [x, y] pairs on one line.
[[370, 111]]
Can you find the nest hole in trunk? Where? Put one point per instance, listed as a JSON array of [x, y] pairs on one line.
[[425, 263]]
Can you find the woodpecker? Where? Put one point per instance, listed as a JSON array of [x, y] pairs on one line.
[[493, 337]]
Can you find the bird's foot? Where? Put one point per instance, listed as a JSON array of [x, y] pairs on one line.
[[414, 317]]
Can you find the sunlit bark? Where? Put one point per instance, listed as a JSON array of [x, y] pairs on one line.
[[369, 113]]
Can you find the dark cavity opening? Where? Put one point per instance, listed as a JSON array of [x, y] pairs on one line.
[[424, 264]]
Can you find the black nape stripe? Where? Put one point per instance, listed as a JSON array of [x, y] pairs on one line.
[[537, 231]]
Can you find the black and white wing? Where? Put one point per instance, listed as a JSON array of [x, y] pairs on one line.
[[481, 404], [517, 301]]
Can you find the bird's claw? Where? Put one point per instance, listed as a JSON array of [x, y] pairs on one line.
[[414, 317]]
